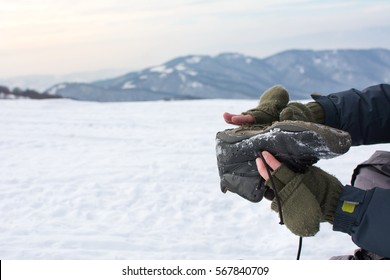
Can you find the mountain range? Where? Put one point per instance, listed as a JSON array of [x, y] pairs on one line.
[[238, 76]]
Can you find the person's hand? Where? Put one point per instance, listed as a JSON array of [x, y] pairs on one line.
[[238, 119], [272, 102], [306, 199], [274, 106], [272, 162]]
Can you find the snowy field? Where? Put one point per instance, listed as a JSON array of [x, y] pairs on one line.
[[83, 180]]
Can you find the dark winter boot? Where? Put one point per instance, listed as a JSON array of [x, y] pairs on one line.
[[297, 144]]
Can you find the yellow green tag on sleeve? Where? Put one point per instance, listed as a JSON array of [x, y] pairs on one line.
[[348, 206]]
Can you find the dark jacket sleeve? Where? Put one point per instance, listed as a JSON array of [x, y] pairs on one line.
[[364, 216], [364, 114]]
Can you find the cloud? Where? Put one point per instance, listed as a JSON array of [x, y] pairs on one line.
[[139, 33]]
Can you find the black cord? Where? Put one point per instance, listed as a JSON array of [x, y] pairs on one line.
[[299, 248], [267, 167]]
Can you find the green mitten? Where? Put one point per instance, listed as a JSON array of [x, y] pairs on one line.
[[274, 106], [310, 112], [297, 112], [272, 102], [306, 199], [316, 111]]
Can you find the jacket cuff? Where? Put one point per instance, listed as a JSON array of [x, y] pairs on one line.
[[348, 209]]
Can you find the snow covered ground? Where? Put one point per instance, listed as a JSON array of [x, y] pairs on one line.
[[83, 180]]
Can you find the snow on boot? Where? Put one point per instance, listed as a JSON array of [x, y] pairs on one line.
[[297, 144]]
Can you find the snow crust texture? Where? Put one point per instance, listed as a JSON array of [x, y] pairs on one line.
[[84, 180]]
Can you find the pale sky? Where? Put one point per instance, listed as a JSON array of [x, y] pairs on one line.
[[65, 36]]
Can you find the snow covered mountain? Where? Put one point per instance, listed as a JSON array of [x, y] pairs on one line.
[[233, 75], [41, 83]]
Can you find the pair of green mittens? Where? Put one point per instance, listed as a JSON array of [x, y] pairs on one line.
[[306, 199]]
